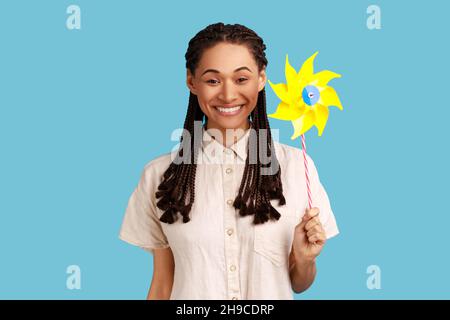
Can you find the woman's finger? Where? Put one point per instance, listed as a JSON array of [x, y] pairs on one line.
[[311, 223], [310, 213], [316, 229], [318, 238]]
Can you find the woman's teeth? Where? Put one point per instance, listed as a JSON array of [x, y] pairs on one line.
[[229, 110]]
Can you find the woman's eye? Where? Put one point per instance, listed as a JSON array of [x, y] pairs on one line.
[[212, 81]]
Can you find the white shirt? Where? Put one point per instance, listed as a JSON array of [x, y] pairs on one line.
[[218, 254]]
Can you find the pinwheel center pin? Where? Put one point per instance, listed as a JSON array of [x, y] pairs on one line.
[[311, 95]]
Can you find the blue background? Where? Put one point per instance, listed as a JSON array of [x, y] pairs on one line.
[[82, 111]]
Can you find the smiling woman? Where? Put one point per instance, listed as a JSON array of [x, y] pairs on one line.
[[239, 219]]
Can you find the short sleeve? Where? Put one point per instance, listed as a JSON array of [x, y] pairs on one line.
[[320, 200], [141, 226]]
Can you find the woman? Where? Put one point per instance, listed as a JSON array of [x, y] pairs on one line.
[[244, 231]]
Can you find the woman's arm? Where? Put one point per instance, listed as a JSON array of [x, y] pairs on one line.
[[302, 273], [163, 270]]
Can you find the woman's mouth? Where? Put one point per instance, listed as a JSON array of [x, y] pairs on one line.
[[229, 111]]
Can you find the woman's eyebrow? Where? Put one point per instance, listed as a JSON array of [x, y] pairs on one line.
[[217, 71]]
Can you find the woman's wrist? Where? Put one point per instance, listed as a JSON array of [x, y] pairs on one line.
[[302, 260]]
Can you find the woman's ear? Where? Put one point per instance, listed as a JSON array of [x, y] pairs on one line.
[[262, 79], [190, 82]]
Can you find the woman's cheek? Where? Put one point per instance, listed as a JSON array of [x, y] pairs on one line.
[[207, 94]]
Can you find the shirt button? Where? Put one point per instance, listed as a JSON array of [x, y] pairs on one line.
[[233, 267], [229, 170], [228, 151], [229, 202], [230, 232]]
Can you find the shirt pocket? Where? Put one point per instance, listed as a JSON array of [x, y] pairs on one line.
[[273, 239]]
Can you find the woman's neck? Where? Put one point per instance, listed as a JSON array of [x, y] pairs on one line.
[[229, 136]]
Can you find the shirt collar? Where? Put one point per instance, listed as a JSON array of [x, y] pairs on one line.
[[214, 149]]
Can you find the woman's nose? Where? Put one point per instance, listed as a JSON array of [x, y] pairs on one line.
[[228, 92]]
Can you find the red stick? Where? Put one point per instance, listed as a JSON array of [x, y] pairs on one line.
[[306, 171]]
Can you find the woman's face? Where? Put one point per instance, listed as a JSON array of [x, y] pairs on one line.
[[226, 83]]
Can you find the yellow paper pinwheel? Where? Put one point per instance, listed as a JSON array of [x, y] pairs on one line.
[[305, 97]]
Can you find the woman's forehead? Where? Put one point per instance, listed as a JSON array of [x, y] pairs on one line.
[[227, 58]]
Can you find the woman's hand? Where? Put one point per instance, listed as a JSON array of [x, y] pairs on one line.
[[309, 236]]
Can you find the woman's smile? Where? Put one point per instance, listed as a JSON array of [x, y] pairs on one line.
[[229, 111]]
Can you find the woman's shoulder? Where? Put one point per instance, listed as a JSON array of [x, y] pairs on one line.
[[159, 164], [285, 150], [161, 159], [287, 153]]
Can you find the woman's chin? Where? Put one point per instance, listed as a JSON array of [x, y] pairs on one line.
[[233, 123]]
